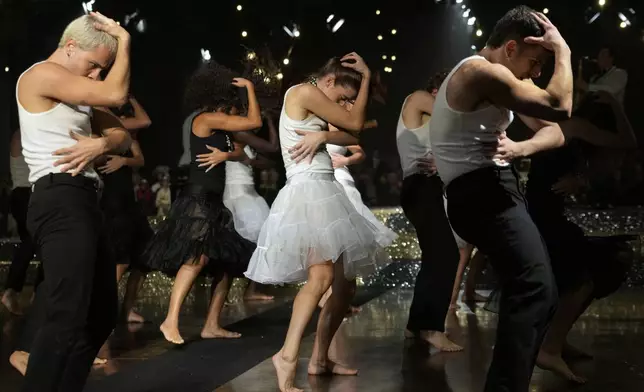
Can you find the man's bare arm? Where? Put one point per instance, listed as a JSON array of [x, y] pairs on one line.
[[547, 136], [117, 139]]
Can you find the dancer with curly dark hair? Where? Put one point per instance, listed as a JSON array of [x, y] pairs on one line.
[[199, 230]]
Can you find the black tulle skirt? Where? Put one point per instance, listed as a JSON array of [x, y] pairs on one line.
[[198, 224]]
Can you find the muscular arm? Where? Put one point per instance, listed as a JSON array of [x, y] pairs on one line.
[[547, 136], [55, 82], [116, 138], [496, 83], [233, 123]]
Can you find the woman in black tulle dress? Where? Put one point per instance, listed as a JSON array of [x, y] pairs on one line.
[[199, 231]]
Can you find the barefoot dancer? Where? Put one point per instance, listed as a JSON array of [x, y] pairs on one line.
[[584, 270], [313, 232], [342, 174], [199, 229], [249, 209], [129, 228], [25, 251], [78, 297], [422, 202], [486, 208]]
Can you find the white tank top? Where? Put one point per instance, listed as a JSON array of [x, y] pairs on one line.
[[43, 133], [288, 138], [413, 143], [341, 173], [19, 172], [464, 141], [240, 173]]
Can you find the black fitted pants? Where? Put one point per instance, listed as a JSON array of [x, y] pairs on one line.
[[77, 301], [422, 202], [487, 209], [25, 251]]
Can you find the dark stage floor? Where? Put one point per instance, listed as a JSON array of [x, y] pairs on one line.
[[372, 340]]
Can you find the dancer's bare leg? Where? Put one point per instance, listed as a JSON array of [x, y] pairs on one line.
[[132, 288], [213, 329], [11, 300], [329, 321], [463, 261], [567, 313], [253, 294], [121, 269], [352, 309], [182, 285], [477, 263], [320, 277]]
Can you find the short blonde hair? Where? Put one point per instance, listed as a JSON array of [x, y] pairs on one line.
[[87, 37]]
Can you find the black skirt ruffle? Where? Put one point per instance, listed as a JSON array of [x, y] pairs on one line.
[[198, 224]]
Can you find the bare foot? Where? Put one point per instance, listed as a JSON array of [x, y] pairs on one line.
[[11, 302], [285, 373], [219, 333], [258, 297], [19, 360], [134, 317], [572, 352], [440, 341], [473, 297], [330, 367], [99, 361], [171, 333], [557, 365]]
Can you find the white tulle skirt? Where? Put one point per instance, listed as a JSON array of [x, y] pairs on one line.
[[385, 236], [249, 209], [312, 221], [459, 241]]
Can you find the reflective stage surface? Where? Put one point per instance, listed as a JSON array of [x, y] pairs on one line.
[[372, 341]]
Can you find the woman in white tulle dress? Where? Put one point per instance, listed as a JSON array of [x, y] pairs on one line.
[[313, 232], [249, 209], [341, 161]]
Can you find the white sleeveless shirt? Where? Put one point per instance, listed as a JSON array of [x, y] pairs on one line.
[[412, 143], [43, 133], [465, 141], [288, 138], [341, 173], [238, 173]]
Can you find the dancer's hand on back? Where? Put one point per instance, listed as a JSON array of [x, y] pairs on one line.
[[552, 39], [308, 146], [427, 165], [114, 162], [357, 63], [109, 26], [507, 149], [212, 159], [241, 82], [339, 160], [76, 158]]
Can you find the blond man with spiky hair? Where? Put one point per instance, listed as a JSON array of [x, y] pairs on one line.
[[76, 303]]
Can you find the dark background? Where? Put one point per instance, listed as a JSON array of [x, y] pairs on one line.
[[430, 37]]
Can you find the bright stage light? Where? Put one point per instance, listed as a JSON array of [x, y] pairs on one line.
[[337, 25], [286, 61], [239, 7], [244, 34], [479, 32], [380, 38]]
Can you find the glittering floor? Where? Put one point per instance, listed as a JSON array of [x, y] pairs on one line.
[[373, 341]]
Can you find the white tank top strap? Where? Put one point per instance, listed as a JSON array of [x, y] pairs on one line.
[[461, 140]]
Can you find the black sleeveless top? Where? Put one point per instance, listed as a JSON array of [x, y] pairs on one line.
[[214, 180], [546, 169], [118, 189]]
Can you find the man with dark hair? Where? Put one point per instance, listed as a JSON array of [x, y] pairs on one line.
[[609, 78], [473, 108], [422, 202]]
